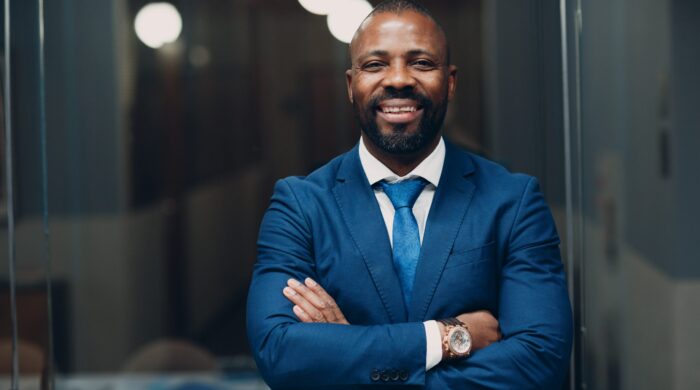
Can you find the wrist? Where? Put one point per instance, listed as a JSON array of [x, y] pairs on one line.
[[456, 339], [441, 326]]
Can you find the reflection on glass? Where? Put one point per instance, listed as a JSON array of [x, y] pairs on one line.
[[639, 119], [25, 331]]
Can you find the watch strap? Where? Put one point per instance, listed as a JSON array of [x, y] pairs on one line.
[[451, 322]]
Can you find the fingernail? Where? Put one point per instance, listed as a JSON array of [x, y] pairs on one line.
[[289, 291], [310, 282], [296, 309], [293, 282]]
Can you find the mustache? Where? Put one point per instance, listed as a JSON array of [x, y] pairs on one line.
[[422, 100]]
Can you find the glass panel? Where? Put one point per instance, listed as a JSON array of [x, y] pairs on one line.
[[639, 62], [8, 331], [523, 94], [570, 16], [157, 183], [24, 234]]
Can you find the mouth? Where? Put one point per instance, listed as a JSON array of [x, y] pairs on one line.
[[397, 111]]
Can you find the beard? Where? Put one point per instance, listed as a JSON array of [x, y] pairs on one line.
[[400, 141]]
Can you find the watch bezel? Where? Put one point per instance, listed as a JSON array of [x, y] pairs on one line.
[[468, 336]]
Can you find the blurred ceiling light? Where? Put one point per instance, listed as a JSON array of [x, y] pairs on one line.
[[346, 17], [157, 24], [320, 7]]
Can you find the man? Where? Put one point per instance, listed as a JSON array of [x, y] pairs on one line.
[[358, 260]]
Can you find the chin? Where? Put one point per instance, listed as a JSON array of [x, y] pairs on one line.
[[407, 130], [403, 144], [400, 139]]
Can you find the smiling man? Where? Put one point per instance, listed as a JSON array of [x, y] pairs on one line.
[[406, 261]]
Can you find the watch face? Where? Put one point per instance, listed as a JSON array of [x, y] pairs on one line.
[[460, 341]]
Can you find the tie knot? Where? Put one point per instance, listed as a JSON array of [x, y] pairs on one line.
[[403, 193]]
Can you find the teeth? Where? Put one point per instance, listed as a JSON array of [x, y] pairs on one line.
[[399, 109]]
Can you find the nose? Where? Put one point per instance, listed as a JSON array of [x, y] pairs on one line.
[[398, 76]]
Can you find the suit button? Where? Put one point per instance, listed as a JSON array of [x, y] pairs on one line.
[[385, 376], [403, 375], [375, 375], [394, 375]]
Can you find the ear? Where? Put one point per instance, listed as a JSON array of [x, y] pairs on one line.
[[451, 81], [348, 82]]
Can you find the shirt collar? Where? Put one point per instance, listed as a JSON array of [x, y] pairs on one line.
[[429, 169]]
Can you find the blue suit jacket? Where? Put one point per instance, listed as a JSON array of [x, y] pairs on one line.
[[490, 243]]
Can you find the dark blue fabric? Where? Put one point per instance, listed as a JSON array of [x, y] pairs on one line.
[[405, 235], [489, 244]]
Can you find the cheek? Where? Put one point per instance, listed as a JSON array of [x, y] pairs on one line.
[[364, 87], [437, 87], [439, 90], [358, 94], [362, 102]]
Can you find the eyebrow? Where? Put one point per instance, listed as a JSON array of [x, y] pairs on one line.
[[373, 53], [384, 53], [417, 52]]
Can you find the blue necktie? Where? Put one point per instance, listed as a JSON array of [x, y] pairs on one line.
[[405, 234]]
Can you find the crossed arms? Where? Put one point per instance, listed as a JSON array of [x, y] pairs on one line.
[[292, 352], [313, 304]]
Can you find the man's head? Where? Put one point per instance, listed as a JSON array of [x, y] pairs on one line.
[[400, 81]]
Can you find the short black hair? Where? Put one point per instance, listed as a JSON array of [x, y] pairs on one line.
[[399, 6]]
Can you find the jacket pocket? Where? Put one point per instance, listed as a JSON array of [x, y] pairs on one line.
[[472, 255]]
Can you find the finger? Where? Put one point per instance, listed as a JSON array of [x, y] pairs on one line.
[[312, 298], [320, 292], [304, 304], [307, 293], [330, 303], [303, 316]]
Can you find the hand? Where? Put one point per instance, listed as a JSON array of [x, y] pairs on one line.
[[483, 327], [312, 303]]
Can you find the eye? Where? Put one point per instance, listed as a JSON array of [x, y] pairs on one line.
[[373, 66], [423, 64]]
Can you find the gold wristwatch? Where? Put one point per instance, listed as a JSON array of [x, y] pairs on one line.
[[457, 341]]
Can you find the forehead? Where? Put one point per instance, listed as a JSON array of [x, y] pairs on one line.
[[398, 33]]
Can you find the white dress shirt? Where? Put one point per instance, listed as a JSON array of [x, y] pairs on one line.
[[429, 169]]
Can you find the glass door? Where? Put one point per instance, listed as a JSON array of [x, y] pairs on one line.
[[634, 184]]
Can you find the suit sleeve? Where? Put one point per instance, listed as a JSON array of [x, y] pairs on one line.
[[291, 354], [534, 312]]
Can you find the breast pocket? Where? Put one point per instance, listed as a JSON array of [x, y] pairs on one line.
[[472, 255], [471, 276]]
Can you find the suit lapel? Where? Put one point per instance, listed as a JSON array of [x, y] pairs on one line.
[[449, 207], [359, 208]]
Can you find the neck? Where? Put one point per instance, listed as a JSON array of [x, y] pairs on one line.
[[401, 164]]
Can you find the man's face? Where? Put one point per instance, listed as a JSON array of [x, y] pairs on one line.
[[400, 82]]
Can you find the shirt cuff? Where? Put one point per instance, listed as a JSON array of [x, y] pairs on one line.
[[433, 350]]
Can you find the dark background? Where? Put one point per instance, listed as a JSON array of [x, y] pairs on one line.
[[159, 165]]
